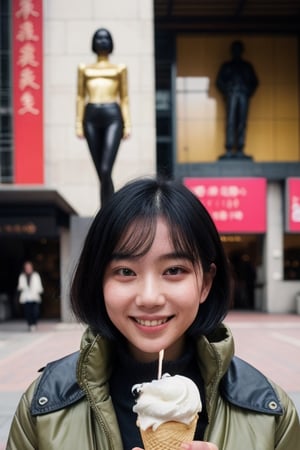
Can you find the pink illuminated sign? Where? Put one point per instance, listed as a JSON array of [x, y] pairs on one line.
[[293, 204], [237, 205]]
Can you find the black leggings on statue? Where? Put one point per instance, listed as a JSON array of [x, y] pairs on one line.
[[103, 130]]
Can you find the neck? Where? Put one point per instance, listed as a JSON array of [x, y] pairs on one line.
[[102, 57]]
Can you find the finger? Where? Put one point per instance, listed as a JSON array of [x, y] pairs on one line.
[[197, 445], [211, 446]]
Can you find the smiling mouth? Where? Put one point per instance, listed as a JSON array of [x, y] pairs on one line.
[[152, 323]]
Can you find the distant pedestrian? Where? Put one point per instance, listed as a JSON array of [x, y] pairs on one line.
[[30, 288]]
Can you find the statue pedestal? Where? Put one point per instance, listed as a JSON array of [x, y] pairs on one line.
[[234, 156], [238, 167]]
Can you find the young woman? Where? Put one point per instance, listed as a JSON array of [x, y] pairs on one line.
[[152, 275]]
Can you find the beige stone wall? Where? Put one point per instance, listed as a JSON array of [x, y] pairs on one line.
[[68, 29]]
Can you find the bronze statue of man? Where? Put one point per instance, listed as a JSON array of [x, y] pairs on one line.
[[237, 81], [102, 109]]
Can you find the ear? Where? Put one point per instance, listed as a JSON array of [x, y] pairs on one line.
[[208, 278]]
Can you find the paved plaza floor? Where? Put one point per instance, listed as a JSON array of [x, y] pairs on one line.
[[271, 342]]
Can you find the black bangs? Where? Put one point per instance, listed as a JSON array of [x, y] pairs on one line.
[[138, 238], [182, 244]]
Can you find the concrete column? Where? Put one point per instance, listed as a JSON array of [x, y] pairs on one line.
[[71, 245], [273, 247], [279, 295], [65, 312]]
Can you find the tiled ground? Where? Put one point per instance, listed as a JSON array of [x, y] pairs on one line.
[[270, 342], [22, 354]]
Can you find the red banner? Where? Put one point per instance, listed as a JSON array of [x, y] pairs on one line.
[[293, 204], [237, 205], [28, 91]]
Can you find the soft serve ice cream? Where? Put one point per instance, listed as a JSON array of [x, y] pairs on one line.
[[167, 411], [171, 398]]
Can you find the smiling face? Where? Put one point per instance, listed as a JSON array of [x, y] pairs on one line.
[[154, 297]]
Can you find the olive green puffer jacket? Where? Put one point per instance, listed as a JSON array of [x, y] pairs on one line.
[[69, 406]]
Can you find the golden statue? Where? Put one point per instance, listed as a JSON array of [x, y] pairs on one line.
[[102, 109]]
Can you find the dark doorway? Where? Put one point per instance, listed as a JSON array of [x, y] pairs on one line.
[[245, 255], [44, 253]]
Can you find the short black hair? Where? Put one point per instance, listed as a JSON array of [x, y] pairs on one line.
[[109, 36], [137, 206]]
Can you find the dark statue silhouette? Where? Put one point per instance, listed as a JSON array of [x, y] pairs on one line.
[[102, 109], [237, 81]]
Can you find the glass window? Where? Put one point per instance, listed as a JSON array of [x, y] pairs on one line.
[[292, 257], [6, 147]]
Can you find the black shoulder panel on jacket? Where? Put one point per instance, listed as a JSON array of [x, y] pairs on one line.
[[246, 387], [242, 386], [57, 387]]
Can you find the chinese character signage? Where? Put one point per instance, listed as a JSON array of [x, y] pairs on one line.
[[293, 204], [22, 226], [237, 205], [28, 91]]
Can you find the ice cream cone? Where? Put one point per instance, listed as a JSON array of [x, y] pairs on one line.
[[168, 436]]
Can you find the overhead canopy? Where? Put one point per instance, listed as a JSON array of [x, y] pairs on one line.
[[28, 211], [225, 15]]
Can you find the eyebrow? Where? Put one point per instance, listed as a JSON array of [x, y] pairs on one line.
[[118, 256], [176, 255]]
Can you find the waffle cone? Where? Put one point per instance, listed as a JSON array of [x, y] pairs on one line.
[[168, 436]]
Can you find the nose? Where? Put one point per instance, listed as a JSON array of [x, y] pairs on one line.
[[150, 293]]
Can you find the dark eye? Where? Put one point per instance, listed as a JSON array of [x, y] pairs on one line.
[[125, 272], [174, 271]]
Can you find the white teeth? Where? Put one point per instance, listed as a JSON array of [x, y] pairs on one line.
[[151, 323]]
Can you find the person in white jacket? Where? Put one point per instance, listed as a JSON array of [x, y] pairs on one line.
[[30, 288]]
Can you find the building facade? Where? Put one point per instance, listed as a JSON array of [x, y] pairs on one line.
[[49, 189], [193, 41]]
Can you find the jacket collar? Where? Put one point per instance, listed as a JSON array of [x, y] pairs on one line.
[[215, 352], [239, 383]]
